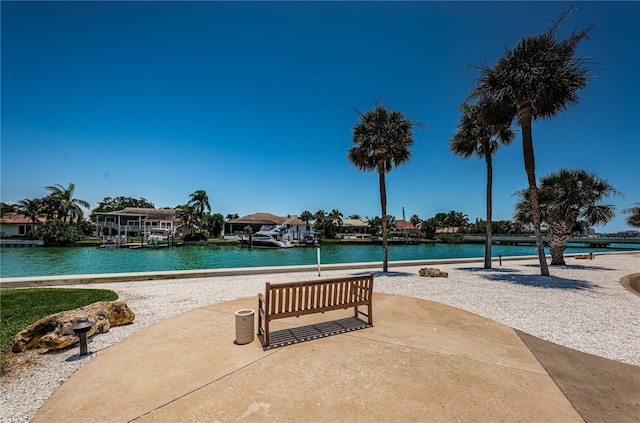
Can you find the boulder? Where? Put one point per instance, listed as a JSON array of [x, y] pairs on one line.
[[432, 272], [54, 332]]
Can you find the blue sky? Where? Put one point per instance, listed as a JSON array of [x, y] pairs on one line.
[[253, 102]]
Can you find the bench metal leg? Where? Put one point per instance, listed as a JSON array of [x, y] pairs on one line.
[[263, 324]]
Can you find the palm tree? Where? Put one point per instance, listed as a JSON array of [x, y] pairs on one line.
[[200, 201], [382, 139], [327, 223], [306, 216], [453, 219], [7, 208], [51, 204], [30, 209], [415, 220], [319, 219], [214, 224], [61, 203], [634, 215], [513, 227], [475, 137], [429, 227], [375, 224], [335, 221], [538, 78], [248, 230], [392, 223], [186, 214], [567, 198]]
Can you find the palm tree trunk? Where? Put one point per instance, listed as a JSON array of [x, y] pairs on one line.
[[383, 204], [487, 238], [530, 168], [559, 234]]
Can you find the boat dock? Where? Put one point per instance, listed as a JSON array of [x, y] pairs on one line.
[[17, 243]]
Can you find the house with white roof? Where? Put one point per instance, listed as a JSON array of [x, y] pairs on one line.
[[356, 228], [136, 221], [296, 228]]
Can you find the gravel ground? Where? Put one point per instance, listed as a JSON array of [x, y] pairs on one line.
[[581, 306]]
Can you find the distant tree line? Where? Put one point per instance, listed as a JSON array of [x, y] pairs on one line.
[[65, 222]]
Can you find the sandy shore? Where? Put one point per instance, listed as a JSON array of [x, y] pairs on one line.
[[582, 306]]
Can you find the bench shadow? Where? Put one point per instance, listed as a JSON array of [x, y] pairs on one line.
[[290, 336]]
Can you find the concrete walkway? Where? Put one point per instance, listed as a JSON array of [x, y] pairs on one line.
[[422, 361]]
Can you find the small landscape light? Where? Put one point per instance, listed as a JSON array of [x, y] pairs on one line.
[[80, 328]]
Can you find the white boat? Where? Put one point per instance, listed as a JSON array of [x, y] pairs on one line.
[[269, 237], [308, 240], [159, 237]]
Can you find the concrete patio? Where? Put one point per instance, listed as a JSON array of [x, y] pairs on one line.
[[422, 361]]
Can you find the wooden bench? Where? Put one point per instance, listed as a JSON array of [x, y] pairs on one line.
[[290, 299]]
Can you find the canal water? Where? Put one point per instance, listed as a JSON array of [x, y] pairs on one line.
[[51, 261]]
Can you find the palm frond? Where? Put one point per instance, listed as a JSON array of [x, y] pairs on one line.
[[381, 130]]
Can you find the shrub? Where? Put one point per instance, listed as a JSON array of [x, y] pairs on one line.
[[86, 227], [450, 238], [198, 236], [58, 232]]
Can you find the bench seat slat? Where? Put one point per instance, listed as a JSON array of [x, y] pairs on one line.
[[313, 311]]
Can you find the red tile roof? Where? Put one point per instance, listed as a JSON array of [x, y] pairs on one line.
[[403, 224], [19, 219]]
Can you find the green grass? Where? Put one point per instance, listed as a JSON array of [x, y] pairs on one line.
[[21, 307]]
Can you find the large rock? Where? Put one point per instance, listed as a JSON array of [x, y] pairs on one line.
[[432, 272], [54, 332]]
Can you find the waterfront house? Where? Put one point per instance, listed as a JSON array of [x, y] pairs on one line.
[[296, 228], [17, 225], [405, 229], [355, 228], [136, 221]]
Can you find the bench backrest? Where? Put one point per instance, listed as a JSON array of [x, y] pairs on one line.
[[296, 298]]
